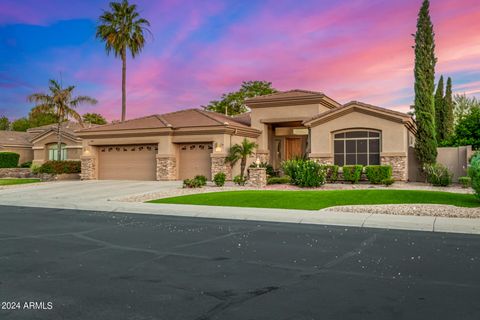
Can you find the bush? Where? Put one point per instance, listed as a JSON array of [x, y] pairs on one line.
[[192, 183], [331, 172], [268, 167], [59, 167], [9, 159], [474, 173], [239, 180], [27, 164], [438, 175], [304, 173], [201, 179], [376, 174], [466, 182], [388, 181], [219, 179], [35, 168], [352, 173], [279, 180]]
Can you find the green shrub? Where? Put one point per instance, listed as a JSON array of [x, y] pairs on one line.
[[268, 167], [279, 180], [388, 181], [219, 179], [9, 159], [375, 174], [59, 167], [438, 175], [35, 168], [27, 164], [352, 173], [474, 173], [304, 173], [239, 180], [466, 182], [192, 183], [202, 179], [331, 172]]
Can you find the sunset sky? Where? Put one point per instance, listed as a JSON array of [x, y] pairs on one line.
[[350, 50]]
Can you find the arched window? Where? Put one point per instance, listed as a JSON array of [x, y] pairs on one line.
[[53, 152], [357, 147]]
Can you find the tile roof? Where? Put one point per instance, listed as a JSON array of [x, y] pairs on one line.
[[15, 138], [295, 93], [178, 119]]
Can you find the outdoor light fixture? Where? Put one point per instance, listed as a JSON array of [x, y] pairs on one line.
[[86, 152], [218, 147], [257, 162]]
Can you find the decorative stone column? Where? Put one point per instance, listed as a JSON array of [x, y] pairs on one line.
[[219, 165], [166, 167], [399, 166], [88, 167], [258, 177], [263, 155]]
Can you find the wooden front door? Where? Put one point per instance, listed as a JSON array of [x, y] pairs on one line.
[[293, 148]]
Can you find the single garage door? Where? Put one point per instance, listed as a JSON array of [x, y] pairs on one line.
[[127, 162], [195, 160]]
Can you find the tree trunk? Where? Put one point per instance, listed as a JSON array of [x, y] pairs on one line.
[[242, 166], [124, 83], [59, 142]]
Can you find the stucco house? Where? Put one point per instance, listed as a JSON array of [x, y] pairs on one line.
[[40, 144], [287, 124]]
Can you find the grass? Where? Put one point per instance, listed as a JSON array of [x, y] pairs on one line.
[[7, 182], [315, 200]]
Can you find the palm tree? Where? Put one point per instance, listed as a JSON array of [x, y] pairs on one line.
[[60, 103], [241, 152], [122, 29]]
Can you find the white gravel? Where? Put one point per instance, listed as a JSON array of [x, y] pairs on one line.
[[436, 210]]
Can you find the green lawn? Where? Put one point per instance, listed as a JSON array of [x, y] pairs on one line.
[[315, 200], [6, 182]]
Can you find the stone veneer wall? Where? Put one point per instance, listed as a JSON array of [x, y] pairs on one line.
[[166, 168], [263, 156], [219, 165], [399, 166], [88, 167], [16, 173], [257, 177]]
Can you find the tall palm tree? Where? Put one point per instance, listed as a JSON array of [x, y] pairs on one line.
[[122, 29], [241, 152], [62, 104]]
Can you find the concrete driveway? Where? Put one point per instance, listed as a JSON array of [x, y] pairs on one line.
[[79, 192]]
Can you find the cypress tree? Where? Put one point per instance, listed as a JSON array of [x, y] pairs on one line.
[[439, 110], [424, 110], [448, 117]]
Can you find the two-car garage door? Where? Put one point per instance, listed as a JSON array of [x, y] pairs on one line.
[[138, 162], [127, 162]]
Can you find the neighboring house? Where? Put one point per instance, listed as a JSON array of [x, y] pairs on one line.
[[40, 144], [18, 142], [285, 125]]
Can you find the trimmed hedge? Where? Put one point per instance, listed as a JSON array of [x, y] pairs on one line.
[[466, 182], [352, 173], [59, 167], [9, 159], [376, 174], [202, 179], [304, 173], [279, 180], [331, 172]]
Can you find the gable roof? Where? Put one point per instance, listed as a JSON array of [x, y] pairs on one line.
[[357, 106], [187, 118], [292, 97], [15, 138], [245, 118]]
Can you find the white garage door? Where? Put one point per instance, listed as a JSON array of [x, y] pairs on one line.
[[195, 160], [127, 162]]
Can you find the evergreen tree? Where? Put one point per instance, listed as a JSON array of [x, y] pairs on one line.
[[448, 117], [424, 109], [439, 110]]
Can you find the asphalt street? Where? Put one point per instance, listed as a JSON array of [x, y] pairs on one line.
[[71, 264]]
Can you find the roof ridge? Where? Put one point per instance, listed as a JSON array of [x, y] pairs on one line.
[[163, 120], [203, 112], [374, 106]]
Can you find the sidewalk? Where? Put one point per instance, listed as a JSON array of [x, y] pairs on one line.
[[322, 217]]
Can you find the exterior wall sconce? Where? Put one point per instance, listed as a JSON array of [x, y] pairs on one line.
[[257, 162], [218, 147], [86, 152]]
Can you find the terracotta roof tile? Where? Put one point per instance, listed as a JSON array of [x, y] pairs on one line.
[[295, 93]]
